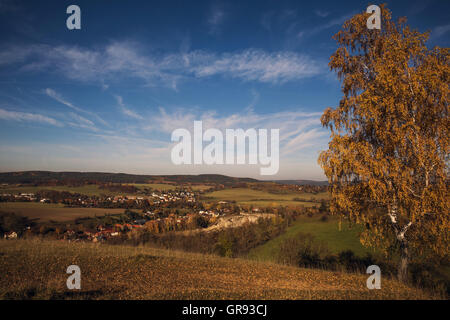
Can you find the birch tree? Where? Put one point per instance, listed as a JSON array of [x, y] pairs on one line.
[[387, 162]]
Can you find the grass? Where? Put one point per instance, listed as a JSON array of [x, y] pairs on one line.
[[327, 232], [277, 203], [94, 190], [263, 198], [33, 269], [50, 211], [168, 187], [89, 190], [155, 186]]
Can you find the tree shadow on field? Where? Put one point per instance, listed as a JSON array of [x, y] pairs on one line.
[[33, 293]]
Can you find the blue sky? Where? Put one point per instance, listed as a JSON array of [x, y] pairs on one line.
[[107, 97]]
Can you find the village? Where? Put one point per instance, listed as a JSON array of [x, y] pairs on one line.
[[156, 212], [74, 199]]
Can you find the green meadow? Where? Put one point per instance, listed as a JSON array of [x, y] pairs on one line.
[[264, 198], [89, 190], [53, 211], [167, 187], [323, 231]]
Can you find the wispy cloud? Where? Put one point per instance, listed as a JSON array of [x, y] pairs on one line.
[[310, 32], [216, 17], [58, 97], [266, 20], [81, 122], [440, 31], [303, 140], [322, 14], [29, 117], [53, 94], [331, 23], [127, 60], [258, 65], [298, 129], [126, 111]]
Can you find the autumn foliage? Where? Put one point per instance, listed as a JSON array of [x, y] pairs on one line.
[[387, 161]]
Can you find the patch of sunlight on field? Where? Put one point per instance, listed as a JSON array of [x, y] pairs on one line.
[[50, 211], [89, 190], [168, 187], [264, 198], [327, 232], [200, 187], [277, 203], [155, 186]]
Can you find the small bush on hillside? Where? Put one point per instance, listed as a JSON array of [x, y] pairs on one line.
[[303, 251], [224, 246]]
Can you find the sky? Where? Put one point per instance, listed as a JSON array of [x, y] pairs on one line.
[[107, 97]]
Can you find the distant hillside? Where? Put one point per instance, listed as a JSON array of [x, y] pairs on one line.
[[303, 182], [39, 177], [31, 177]]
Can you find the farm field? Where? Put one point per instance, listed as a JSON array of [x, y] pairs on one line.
[[277, 203], [263, 198], [35, 269], [167, 187], [157, 186], [89, 190], [94, 190], [50, 211], [327, 232]]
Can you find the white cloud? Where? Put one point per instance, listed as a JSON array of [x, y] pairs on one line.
[[321, 13], [120, 60], [258, 65], [128, 112], [266, 20], [339, 21], [134, 152], [303, 140], [58, 97], [81, 122], [53, 94], [216, 18], [25, 116], [440, 31], [298, 129]]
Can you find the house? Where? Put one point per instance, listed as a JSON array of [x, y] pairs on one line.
[[70, 232], [10, 235], [128, 226]]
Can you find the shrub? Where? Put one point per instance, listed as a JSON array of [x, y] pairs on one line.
[[302, 251], [224, 246]]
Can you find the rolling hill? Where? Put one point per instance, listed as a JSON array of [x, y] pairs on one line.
[[37, 270], [29, 177]]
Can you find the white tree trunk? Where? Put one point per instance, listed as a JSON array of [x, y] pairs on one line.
[[404, 260]]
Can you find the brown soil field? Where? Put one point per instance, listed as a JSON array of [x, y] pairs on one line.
[[33, 269], [46, 212]]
